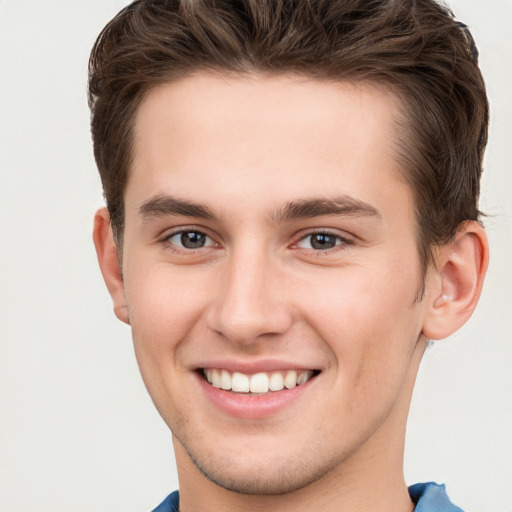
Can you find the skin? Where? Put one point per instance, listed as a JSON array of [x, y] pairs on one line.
[[244, 150]]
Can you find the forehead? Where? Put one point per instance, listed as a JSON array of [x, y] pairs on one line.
[[264, 139]]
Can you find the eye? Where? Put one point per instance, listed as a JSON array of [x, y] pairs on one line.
[[189, 239], [321, 241]]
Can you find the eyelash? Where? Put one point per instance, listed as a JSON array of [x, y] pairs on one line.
[[340, 242], [187, 250]]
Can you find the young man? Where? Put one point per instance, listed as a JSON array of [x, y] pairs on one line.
[[291, 215]]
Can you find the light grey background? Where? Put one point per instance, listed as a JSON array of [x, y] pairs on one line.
[[77, 429]]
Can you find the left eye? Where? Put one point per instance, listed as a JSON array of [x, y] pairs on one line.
[[320, 241], [190, 239]]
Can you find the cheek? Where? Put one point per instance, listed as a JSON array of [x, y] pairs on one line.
[[369, 321], [164, 306], [164, 309]]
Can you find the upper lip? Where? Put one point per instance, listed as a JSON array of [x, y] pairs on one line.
[[256, 366]]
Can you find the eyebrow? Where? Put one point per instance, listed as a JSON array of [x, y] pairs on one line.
[[316, 207], [165, 205]]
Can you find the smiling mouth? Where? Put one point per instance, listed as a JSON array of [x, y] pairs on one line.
[[257, 383]]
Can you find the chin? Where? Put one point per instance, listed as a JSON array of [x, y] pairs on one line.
[[266, 476]]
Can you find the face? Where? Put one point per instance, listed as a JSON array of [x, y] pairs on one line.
[[270, 275]]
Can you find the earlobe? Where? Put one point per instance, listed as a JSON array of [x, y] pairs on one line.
[[456, 282], [108, 259]]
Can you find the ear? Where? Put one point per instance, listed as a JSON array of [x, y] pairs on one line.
[[110, 265], [456, 281]]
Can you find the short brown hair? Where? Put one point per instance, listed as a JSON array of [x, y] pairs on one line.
[[413, 47]]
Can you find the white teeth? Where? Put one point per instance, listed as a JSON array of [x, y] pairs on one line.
[[215, 378], [290, 381], [258, 383], [225, 380], [240, 383], [276, 382]]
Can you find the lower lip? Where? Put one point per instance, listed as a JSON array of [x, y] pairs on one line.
[[248, 406]]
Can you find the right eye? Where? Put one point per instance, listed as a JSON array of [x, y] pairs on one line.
[[189, 239]]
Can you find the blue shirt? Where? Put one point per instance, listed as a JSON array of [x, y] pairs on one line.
[[428, 497]]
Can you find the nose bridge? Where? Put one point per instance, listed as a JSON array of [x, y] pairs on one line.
[[248, 303]]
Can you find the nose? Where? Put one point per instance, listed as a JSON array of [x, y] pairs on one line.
[[250, 302]]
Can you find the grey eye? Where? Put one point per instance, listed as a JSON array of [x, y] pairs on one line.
[[193, 239], [320, 241], [190, 239]]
